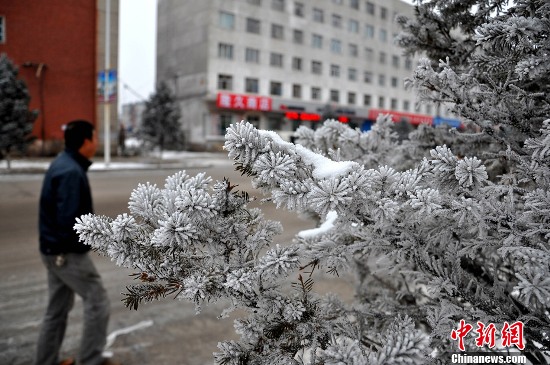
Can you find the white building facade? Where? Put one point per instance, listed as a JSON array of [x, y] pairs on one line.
[[280, 64]]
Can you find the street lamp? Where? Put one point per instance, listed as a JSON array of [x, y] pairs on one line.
[[40, 67]]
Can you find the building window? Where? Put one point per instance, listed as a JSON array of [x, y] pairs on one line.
[[353, 50], [351, 98], [225, 82], [336, 46], [318, 15], [252, 85], [2, 29], [315, 93], [381, 102], [252, 25], [393, 104], [370, 8], [336, 21], [317, 41], [277, 31], [352, 74], [408, 63], [394, 82], [382, 80], [297, 63], [334, 70], [316, 67], [369, 54], [255, 2], [335, 96], [369, 31], [353, 26], [297, 91], [252, 55], [406, 105], [428, 109], [275, 88], [367, 100], [354, 4], [298, 36], [382, 58], [299, 9], [225, 122], [395, 61], [225, 51], [383, 13], [276, 59], [367, 77], [278, 5], [227, 20], [383, 35]]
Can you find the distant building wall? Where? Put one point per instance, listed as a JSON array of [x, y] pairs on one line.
[[132, 117], [305, 60], [54, 43]]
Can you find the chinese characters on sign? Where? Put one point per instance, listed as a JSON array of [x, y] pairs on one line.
[[243, 102], [511, 334], [310, 117]]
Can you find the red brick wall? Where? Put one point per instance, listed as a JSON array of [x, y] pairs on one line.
[[62, 35]]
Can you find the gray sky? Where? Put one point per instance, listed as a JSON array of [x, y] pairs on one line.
[[137, 47]]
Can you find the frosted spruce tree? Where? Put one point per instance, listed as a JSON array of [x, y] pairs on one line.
[[16, 120], [434, 241], [161, 120]]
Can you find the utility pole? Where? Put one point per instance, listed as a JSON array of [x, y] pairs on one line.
[[106, 105]]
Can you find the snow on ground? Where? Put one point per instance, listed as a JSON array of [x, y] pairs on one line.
[[185, 158]]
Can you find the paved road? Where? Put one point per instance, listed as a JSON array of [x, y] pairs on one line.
[[169, 333]]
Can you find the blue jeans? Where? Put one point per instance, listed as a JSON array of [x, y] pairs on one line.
[[77, 275]]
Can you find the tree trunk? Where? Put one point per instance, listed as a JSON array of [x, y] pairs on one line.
[[161, 148]]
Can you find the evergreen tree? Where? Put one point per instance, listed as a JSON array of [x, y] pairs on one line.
[[161, 120], [489, 64], [16, 120], [437, 243]]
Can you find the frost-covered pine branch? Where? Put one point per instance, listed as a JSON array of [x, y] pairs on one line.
[[441, 223], [197, 240], [438, 228]]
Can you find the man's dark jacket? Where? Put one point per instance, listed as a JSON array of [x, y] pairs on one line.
[[65, 196]]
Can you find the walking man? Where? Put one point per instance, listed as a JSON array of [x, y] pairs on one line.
[[65, 196]]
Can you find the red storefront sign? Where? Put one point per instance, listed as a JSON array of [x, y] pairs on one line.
[[309, 117], [243, 102], [412, 118]]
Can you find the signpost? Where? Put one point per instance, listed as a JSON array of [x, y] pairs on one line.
[[107, 85], [106, 104]]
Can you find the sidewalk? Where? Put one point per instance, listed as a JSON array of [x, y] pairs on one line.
[[170, 160]]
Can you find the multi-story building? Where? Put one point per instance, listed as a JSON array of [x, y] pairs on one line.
[[59, 49], [132, 116], [282, 63]]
